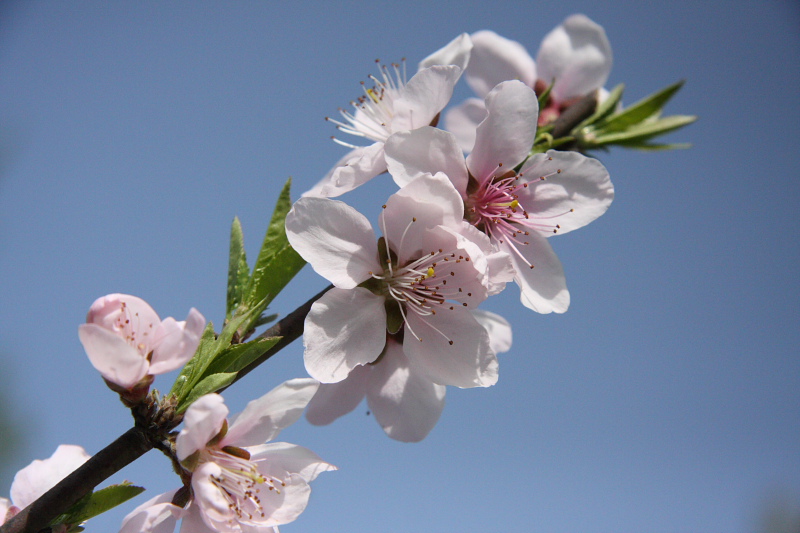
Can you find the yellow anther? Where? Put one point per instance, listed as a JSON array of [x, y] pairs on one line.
[[430, 272], [514, 204]]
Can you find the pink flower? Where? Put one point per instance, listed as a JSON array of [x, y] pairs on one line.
[[576, 54], [404, 400], [428, 270], [40, 476], [239, 484], [392, 104], [552, 193], [128, 343]]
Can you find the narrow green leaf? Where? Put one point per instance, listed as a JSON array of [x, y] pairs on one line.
[[209, 384], [203, 355], [545, 96], [638, 112], [239, 356], [238, 271], [605, 108], [265, 282], [645, 130], [654, 147], [99, 502]]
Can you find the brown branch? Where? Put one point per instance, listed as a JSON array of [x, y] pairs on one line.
[[574, 115], [105, 463]]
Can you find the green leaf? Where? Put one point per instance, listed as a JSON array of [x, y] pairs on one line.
[[638, 112], [262, 285], [238, 271], [604, 108], [192, 369], [98, 503], [643, 131], [239, 356], [209, 384], [545, 96]]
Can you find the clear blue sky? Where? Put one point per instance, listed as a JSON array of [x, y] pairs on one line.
[[666, 400]]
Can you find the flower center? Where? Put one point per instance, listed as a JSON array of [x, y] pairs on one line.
[[133, 330], [495, 208], [240, 482], [374, 110], [432, 282]]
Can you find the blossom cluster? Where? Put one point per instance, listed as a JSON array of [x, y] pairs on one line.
[[474, 210]]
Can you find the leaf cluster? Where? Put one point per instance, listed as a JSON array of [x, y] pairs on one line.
[[220, 357]]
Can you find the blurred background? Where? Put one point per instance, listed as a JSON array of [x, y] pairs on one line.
[[666, 400]]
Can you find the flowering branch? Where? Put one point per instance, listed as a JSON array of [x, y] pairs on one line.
[[135, 442]]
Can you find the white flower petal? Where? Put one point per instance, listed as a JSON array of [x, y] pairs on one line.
[[202, 422], [582, 185], [157, 515], [405, 403], [456, 52], [290, 458], [356, 168], [107, 310], [463, 120], [424, 96], [468, 362], [333, 400], [544, 287], [577, 55], [193, 521], [425, 151], [507, 134], [264, 418], [495, 59], [176, 342], [43, 474], [211, 502], [344, 329], [334, 238], [498, 328], [112, 356]]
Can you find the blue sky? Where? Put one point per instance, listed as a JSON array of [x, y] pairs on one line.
[[666, 399]]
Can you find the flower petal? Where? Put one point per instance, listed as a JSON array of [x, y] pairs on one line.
[[176, 342], [43, 474], [495, 59], [344, 329], [456, 52], [463, 120], [498, 328], [264, 418], [157, 515], [333, 400], [424, 96], [577, 55], [468, 362], [506, 136], [334, 238], [202, 422], [354, 169], [214, 507], [193, 521], [576, 191], [112, 356], [405, 402], [290, 458], [543, 287], [107, 311], [425, 151]]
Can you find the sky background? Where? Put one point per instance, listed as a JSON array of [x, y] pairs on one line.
[[667, 399]]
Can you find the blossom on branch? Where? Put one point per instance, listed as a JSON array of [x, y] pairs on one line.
[[550, 193], [575, 57], [41, 475], [420, 281], [405, 402], [128, 343], [392, 104], [239, 484]]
